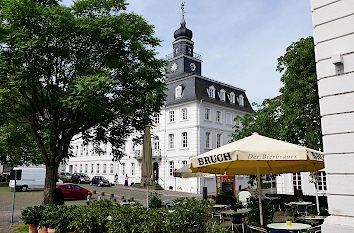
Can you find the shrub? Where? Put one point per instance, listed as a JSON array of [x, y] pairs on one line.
[[32, 215], [155, 200]]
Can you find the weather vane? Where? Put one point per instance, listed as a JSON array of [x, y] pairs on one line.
[[182, 8]]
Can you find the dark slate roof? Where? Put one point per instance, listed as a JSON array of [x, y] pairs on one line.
[[195, 88]]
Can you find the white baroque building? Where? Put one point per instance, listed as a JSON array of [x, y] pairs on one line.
[[333, 25], [198, 116]]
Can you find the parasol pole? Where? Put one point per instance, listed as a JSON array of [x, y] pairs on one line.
[[259, 197]]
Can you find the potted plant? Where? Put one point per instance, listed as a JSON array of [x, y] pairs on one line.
[[32, 216], [288, 220]]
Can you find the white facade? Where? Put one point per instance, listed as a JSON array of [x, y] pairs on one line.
[[189, 123], [333, 23]]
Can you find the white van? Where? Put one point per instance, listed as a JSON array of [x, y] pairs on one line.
[[27, 178]]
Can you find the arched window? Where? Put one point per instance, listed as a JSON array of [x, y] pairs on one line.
[[232, 97], [222, 95], [211, 92], [178, 92]]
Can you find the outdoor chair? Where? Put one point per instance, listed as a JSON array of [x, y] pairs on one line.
[[244, 197], [255, 229], [316, 229]]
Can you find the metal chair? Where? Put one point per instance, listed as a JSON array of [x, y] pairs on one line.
[[316, 229], [255, 229]]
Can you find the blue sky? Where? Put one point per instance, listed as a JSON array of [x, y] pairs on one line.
[[240, 40]]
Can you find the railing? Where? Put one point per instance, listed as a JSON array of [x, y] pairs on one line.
[[138, 154], [195, 55]]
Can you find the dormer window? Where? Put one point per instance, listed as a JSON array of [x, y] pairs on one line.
[[232, 98], [211, 92], [240, 100], [222, 95], [178, 92]]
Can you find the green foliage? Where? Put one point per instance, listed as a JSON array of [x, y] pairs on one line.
[[32, 215], [189, 215], [87, 70], [293, 117], [155, 200]]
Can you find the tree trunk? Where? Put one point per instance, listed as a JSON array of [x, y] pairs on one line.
[[50, 183]]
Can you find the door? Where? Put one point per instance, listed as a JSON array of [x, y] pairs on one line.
[[155, 172]]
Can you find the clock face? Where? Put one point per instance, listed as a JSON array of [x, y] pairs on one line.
[[174, 67], [193, 66]]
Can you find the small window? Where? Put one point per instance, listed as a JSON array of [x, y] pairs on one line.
[[240, 100], [218, 140], [322, 181], [218, 116], [172, 116], [211, 92], [184, 114], [157, 119], [104, 168], [297, 181], [172, 168], [222, 95], [123, 169], [98, 168], [171, 139], [133, 169], [207, 140], [232, 98], [178, 92], [184, 140], [111, 168], [207, 114], [156, 143]]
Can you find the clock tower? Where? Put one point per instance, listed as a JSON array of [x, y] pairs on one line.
[[183, 61]]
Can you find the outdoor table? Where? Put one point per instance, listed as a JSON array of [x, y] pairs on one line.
[[303, 204], [293, 227]]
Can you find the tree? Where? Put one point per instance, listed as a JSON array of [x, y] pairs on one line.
[[294, 116], [87, 70]]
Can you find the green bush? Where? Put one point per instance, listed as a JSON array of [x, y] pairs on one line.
[[155, 200], [32, 215]]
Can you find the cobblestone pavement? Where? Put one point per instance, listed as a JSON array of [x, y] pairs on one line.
[[31, 198]]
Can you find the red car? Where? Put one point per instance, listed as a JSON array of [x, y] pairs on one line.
[[74, 191]]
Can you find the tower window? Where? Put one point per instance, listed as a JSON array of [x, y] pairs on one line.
[[178, 92], [222, 95], [211, 92]]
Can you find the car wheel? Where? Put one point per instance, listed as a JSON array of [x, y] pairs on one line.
[[24, 189]]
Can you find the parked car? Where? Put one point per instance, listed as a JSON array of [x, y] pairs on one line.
[[100, 181], [65, 177], [80, 178], [74, 191]]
